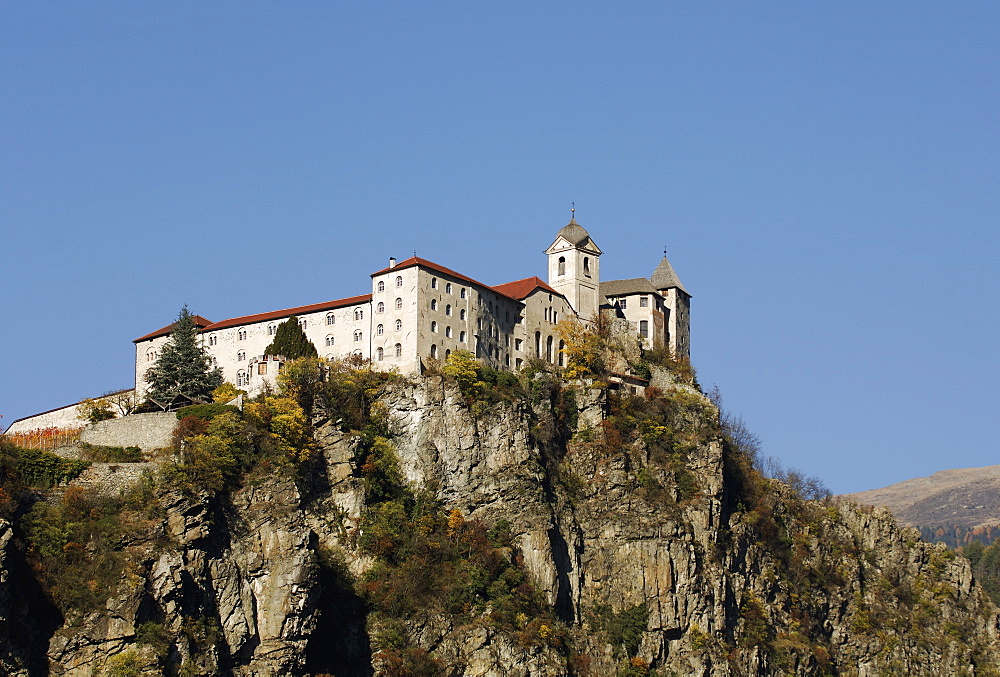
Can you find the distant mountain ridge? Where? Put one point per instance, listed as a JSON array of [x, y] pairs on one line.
[[968, 498]]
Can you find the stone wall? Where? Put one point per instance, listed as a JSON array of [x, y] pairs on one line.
[[146, 431], [113, 478]]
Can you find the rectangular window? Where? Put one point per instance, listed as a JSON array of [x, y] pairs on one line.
[[644, 328], [262, 368], [643, 301], [622, 302]]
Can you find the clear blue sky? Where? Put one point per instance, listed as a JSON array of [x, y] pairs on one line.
[[824, 176]]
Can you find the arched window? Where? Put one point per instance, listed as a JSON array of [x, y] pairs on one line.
[[215, 362], [434, 327], [461, 336], [302, 323], [399, 280], [555, 316], [538, 344], [586, 266], [434, 283], [241, 379], [399, 350], [150, 356], [562, 356], [329, 340], [380, 330], [447, 288], [447, 332], [399, 325], [447, 354], [212, 340], [447, 309], [240, 356], [381, 285], [562, 265], [330, 319], [359, 314], [399, 304], [434, 304], [548, 349], [379, 354], [241, 335], [381, 307], [461, 314], [434, 350], [461, 292], [357, 335]]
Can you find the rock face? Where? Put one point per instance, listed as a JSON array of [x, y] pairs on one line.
[[730, 579]]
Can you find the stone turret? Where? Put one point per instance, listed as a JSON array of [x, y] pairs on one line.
[[574, 268], [676, 308]]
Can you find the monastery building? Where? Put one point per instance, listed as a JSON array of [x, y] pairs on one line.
[[418, 309]]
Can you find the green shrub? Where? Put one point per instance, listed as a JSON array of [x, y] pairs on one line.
[[44, 469], [103, 454], [75, 544], [206, 411], [624, 628]]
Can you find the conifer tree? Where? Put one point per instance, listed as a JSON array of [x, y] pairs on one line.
[[183, 368], [291, 342]]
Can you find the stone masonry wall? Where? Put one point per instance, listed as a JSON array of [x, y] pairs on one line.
[[146, 431]]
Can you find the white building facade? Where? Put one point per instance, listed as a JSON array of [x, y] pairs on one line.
[[419, 310]]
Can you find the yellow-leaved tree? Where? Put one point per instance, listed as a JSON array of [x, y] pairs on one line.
[[583, 348]]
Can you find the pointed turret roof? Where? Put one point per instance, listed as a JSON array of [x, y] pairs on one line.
[[664, 277]]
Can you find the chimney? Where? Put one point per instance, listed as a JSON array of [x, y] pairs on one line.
[[392, 262]]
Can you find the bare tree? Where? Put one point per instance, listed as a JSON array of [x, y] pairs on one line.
[[124, 401]]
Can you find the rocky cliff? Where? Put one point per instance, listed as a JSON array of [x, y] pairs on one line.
[[582, 532]]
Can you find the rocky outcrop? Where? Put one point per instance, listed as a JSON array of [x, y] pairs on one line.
[[725, 578]]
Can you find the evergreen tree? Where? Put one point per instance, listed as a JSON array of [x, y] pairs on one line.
[[291, 342], [183, 368]]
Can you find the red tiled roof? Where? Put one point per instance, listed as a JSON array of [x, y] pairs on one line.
[[519, 289], [288, 312], [199, 322], [205, 325], [424, 263]]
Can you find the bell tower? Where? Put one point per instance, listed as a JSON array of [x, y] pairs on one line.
[[574, 269]]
